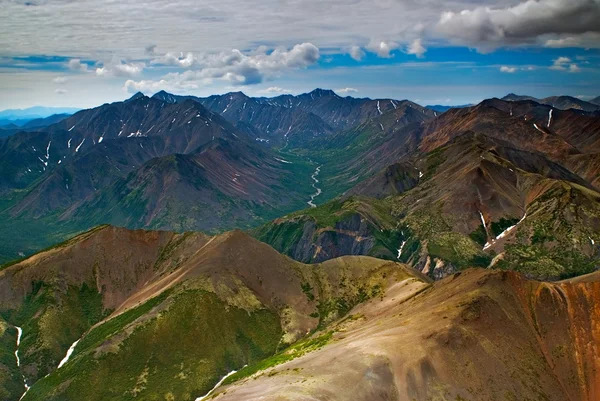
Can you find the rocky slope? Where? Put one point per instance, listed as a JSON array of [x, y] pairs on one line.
[[474, 336], [164, 314], [506, 184]]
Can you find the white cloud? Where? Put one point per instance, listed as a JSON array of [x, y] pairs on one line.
[[564, 64], [60, 80], [382, 48], [357, 53], [508, 70], [274, 89], [346, 90], [487, 28], [75, 64], [416, 48], [175, 60], [60, 91], [234, 68], [121, 69]]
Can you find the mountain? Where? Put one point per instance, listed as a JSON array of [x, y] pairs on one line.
[[35, 112], [179, 316], [595, 100], [442, 108], [479, 335], [165, 314], [560, 102], [45, 121], [143, 163], [478, 186], [293, 120]]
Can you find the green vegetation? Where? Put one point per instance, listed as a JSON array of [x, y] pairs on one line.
[[290, 353], [178, 353], [52, 319], [11, 382]]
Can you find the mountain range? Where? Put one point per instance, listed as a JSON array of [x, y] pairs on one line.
[[302, 247], [118, 314]]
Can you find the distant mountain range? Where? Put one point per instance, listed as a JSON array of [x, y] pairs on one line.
[[391, 168], [35, 112], [560, 102], [442, 108]]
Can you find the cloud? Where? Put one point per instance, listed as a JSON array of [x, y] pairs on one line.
[[356, 53], [416, 48], [60, 80], [346, 90], [75, 64], [586, 40], [175, 60], [150, 50], [234, 68], [382, 48], [274, 89], [564, 64], [487, 28], [508, 70], [121, 69], [60, 91]]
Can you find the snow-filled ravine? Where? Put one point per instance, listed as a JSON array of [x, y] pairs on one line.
[[19, 335], [69, 353], [217, 385], [314, 185]]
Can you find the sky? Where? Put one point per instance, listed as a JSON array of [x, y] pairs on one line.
[[84, 53]]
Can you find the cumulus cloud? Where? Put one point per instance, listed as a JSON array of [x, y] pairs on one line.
[[274, 89], [234, 68], [346, 90], [416, 48], [75, 64], [181, 60], [382, 48], [507, 69], [487, 28], [564, 64], [121, 69], [60, 80], [357, 53], [61, 91]]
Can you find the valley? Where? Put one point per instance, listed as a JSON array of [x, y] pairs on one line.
[[441, 255]]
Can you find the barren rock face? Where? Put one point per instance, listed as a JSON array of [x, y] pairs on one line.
[[471, 337]]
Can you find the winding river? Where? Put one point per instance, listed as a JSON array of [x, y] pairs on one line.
[[314, 185]]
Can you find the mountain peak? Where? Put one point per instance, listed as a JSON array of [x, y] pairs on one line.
[[318, 92], [138, 95], [165, 96]]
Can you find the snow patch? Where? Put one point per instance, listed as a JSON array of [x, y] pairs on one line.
[[537, 128], [69, 353], [401, 248], [281, 160], [78, 146], [379, 109], [217, 385], [69, 143], [100, 140], [381, 125], [71, 129], [549, 118]]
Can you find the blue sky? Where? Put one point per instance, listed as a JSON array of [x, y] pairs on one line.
[[61, 53]]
